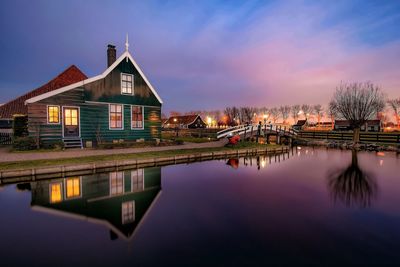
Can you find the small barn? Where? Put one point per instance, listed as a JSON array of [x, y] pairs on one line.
[[185, 122], [369, 126], [300, 125]]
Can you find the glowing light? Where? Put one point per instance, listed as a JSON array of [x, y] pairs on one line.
[[263, 163], [209, 120], [381, 162], [381, 154], [175, 119]]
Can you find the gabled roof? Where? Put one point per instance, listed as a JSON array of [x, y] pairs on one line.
[[125, 55], [300, 123], [185, 119], [17, 106]]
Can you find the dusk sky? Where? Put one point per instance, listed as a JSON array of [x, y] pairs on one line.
[[208, 54]]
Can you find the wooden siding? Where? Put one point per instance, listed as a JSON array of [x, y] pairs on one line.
[[95, 119], [37, 124], [109, 89]]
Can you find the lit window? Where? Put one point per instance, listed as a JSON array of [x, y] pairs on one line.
[[71, 116], [73, 187], [55, 193], [137, 117], [128, 212], [126, 83], [116, 183], [116, 116], [137, 180], [53, 114]]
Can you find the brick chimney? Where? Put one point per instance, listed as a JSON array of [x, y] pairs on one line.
[[111, 55]]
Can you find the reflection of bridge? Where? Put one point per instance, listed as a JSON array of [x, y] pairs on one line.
[[266, 130]]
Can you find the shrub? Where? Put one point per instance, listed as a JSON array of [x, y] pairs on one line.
[[20, 125], [24, 143]]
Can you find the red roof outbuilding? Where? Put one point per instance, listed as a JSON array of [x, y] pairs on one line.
[[17, 106]]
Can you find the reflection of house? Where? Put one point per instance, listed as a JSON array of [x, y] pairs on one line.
[[186, 121], [118, 200], [369, 126], [300, 125]]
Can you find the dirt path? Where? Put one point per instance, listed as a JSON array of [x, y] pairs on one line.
[[6, 156]]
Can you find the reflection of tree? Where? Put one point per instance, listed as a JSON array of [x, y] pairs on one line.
[[352, 185]]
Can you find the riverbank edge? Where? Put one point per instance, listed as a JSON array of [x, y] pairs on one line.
[[32, 174], [350, 145]]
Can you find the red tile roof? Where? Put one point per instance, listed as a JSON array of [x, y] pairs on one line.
[[186, 119], [17, 106]]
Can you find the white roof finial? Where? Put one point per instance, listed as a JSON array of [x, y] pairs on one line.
[[126, 43]]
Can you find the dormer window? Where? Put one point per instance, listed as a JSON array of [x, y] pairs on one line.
[[126, 84]]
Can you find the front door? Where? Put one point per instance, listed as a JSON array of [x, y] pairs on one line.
[[71, 122]]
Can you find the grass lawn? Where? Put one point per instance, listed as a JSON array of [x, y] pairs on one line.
[[191, 139], [154, 154]]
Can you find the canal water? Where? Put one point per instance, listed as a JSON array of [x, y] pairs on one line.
[[311, 206]]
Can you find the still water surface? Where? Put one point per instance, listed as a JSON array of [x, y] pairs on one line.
[[312, 206]]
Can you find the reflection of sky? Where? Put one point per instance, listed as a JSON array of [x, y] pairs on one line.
[[208, 54], [211, 212]]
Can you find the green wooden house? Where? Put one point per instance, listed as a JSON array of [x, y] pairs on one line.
[[119, 104], [118, 200]]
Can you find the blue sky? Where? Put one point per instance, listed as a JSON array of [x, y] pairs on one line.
[[208, 54]]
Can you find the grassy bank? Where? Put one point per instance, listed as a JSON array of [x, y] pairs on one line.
[[143, 155]]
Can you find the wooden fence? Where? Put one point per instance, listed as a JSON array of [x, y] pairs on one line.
[[5, 138], [372, 137]]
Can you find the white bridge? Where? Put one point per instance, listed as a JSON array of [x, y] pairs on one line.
[[252, 129]]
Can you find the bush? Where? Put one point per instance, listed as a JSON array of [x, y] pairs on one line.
[[24, 143], [20, 125]]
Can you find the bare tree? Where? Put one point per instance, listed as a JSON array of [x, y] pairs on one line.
[[284, 111], [246, 114], [332, 115], [319, 112], [295, 112], [395, 105], [357, 103], [307, 110], [232, 115], [274, 113]]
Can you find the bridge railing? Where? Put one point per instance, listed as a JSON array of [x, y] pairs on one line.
[[240, 129]]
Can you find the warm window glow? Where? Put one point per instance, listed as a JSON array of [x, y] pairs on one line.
[[137, 180], [137, 117], [71, 117], [128, 212], [55, 193], [73, 187], [53, 114], [116, 183], [126, 83], [116, 116]]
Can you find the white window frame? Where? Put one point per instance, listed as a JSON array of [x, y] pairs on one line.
[[127, 74], [109, 118], [123, 183], [123, 220], [79, 119], [47, 115], [134, 128], [61, 192], [80, 188], [132, 175]]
